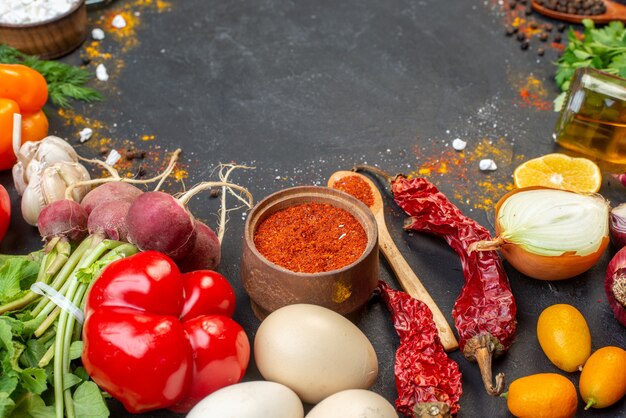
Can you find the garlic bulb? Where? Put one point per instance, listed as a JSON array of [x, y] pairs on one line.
[[34, 157], [49, 185]]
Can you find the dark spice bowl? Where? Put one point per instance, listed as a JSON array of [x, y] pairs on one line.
[[345, 290], [51, 38]]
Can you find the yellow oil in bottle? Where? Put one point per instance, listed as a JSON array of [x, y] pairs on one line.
[[593, 120]]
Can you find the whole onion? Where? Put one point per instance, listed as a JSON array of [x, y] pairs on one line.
[[615, 285], [549, 234]]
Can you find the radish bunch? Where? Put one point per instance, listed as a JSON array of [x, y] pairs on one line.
[[114, 220]]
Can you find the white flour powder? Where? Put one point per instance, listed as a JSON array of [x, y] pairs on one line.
[[16, 12]]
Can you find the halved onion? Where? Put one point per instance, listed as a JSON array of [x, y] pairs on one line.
[[550, 234]]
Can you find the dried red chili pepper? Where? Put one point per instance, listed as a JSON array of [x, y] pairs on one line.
[[484, 313], [427, 380]]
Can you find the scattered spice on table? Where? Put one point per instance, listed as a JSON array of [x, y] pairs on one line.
[[311, 238], [484, 313], [357, 187], [518, 21], [534, 94], [427, 380]]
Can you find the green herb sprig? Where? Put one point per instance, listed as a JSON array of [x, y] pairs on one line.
[[602, 48], [65, 82]]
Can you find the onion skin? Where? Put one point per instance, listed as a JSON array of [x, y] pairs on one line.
[[616, 271], [617, 226], [543, 267]]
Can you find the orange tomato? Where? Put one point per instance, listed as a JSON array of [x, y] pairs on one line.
[[24, 85], [34, 126], [7, 157]]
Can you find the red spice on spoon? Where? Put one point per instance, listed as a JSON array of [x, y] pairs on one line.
[[311, 238]]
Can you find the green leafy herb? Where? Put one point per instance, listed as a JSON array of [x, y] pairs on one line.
[[602, 48], [65, 82], [88, 401], [17, 273]]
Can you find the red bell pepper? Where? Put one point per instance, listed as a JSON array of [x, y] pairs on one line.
[[155, 338]]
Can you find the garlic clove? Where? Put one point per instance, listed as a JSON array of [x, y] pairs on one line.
[[27, 151], [82, 175], [32, 201], [56, 178], [53, 149], [19, 177]]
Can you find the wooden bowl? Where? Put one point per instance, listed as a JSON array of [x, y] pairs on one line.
[[49, 39], [345, 290]]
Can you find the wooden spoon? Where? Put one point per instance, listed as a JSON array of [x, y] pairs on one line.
[[614, 11], [407, 278]]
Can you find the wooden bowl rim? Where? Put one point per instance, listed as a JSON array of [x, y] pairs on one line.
[[313, 191], [54, 19]]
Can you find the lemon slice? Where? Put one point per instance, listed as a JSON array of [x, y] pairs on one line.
[[559, 171]]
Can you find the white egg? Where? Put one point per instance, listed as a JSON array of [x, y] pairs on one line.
[[354, 403], [314, 351], [250, 400]]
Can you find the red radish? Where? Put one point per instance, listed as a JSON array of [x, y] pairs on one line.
[[108, 192], [206, 252], [63, 218], [615, 285], [157, 221], [109, 219]]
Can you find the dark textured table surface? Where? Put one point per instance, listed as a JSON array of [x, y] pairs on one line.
[[299, 90]]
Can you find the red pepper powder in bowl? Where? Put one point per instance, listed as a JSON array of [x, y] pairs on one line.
[[311, 238]]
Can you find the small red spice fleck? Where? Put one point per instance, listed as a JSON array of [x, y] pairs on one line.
[[311, 238], [357, 187]]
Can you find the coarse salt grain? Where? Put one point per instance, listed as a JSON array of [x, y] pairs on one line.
[[458, 144], [113, 157], [18, 12], [85, 134], [118, 22], [487, 164], [97, 34], [101, 72]]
